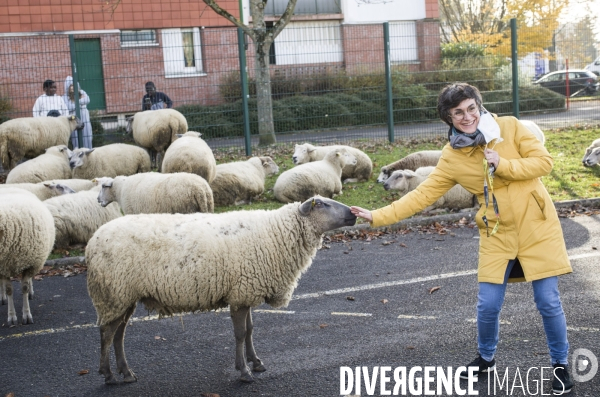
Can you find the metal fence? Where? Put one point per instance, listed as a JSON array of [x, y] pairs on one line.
[[330, 82]]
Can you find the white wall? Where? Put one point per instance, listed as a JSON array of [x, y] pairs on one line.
[[368, 11]]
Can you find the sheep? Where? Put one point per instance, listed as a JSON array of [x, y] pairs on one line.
[[42, 191], [407, 180], [154, 193], [189, 153], [77, 216], [199, 262], [412, 161], [110, 160], [533, 127], [592, 154], [155, 130], [76, 185], [358, 172], [30, 136], [239, 182], [26, 239], [52, 164], [321, 177]]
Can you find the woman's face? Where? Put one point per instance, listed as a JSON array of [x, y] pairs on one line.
[[71, 89], [465, 117]]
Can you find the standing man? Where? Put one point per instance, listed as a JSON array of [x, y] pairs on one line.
[[154, 99], [49, 104]]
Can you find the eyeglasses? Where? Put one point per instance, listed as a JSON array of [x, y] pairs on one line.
[[459, 114]]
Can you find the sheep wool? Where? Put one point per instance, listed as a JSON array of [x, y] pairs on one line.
[[197, 262], [241, 181], [31, 136], [42, 191], [26, 239], [412, 161], [190, 153], [358, 172], [110, 160], [52, 164], [75, 184]]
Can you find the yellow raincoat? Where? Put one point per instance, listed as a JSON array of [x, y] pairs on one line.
[[529, 227]]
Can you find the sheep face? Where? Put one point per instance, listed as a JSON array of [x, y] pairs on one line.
[[78, 156], [59, 188], [60, 149], [129, 128], [107, 194], [301, 154], [398, 181], [383, 175], [327, 214], [269, 166], [592, 157], [346, 158]]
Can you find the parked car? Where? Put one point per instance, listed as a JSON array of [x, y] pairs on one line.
[[581, 82], [594, 66]]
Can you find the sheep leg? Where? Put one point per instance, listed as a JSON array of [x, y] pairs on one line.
[[3, 282], [122, 366], [239, 329], [250, 352], [159, 160], [12, 314], [107, 334], [26, 284]]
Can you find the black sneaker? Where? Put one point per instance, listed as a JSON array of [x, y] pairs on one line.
[[481, 365], [562, 382]]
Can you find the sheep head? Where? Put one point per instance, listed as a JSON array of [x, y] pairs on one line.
[[269, 165], [326, 214], [592, 157], [398, 181], [107, 194], [301, 154], [78, 156], [384, 174]]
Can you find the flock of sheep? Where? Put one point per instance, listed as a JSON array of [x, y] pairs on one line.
[[151, 236]]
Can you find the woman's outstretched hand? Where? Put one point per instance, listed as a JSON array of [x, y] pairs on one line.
[[362, 213]]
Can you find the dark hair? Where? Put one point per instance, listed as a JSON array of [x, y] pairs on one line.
[[48, 83], [53, 113], [150, 84], [452, 95]]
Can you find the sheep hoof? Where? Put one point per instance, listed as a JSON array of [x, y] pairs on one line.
[[259, 368], [110, 380], [27, 319], [130, 379], [246, 378], [12, 320]]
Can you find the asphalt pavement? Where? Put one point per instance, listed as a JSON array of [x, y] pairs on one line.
[[361, 304]]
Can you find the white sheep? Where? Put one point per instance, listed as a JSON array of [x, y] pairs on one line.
[[533, 127], [322, 177], [30, 136], [358, 172], [198, 262], [77, 216], [75, 184], [52, 164], [412, 161], [42, 190], [26, 239], [156, 129], [592, 154], [155, 193], [110, 160], [190, 153], [407, 180], [241, 181]]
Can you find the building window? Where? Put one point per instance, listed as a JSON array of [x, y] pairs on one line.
[[182, 52], [403, 42], [308, 42], [138, 38]]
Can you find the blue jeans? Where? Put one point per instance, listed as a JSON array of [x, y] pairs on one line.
[[547, 300]]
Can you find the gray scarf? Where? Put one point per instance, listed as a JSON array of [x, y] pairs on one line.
[[460, 139]]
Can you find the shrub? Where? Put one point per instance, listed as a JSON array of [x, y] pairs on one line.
[[462, 50]]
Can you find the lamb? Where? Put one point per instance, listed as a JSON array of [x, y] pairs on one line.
[[189, 153], [407, 180], [110, 160], [26, 239], [321, 177], [154, 193], [592, 154], [156, 129], [533, 127], [412, 161], [52, 164], [77, 216], [30, 136], [239, 182], [358, 172], [42, 191], [198, 262]]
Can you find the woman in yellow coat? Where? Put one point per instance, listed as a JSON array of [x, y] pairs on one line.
[[500, 161]]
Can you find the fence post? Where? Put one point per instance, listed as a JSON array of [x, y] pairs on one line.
[[515, 66], [75, 88], [388, 81], [244, 82]]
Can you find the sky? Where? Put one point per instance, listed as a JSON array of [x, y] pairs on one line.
[[579, 9]]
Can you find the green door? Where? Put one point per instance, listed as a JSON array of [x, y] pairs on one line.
[[88, 57]]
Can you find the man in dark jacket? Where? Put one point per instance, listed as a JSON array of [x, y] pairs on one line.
[[155, 100]]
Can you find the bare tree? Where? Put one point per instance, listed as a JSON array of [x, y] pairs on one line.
[[262, 39]]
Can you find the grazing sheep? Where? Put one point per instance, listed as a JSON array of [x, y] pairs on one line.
[[358, 172], [592, 154], [110, 160], [407, 180], [75, 184], [533, 127], [42, 190], [26, 239], [30, 136], [412, 161], [52, 164], [239, 182], [321, 177], [77, 216], [155, 193], [156, 129], [198, 262], [189, 153]]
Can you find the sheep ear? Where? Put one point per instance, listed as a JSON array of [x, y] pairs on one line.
[[337, 154], [408, 176], [307, 206], [90, 151]]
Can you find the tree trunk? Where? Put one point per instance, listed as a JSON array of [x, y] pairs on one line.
[[264, 103]]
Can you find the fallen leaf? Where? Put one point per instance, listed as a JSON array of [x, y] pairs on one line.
[[350, 298], [433, 289], [410, 347], [384, 301], [157, 337], [402, 245], [84, 372], [209, 395], [594, 248], [323, 325]]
